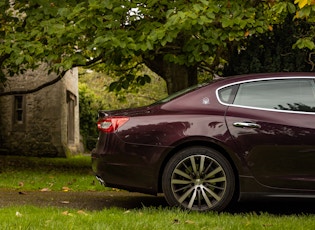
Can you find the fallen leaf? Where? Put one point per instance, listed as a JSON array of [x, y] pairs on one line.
[[65, 189], [65, 202], [18, 214], [45, 190], [21, 183], [22, 193], [189, 222], [67, 213], [126, 211], [81, 212]]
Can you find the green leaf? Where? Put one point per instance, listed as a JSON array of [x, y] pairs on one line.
[[304, 43], [160, 33], [63, 12], [113, 86], [291, 8], [130, 77], [149, 45], [226, 22], [205, 47], [29, 59], [309, 44], [125, 84], [147, 78], [197, 7], [19, 60], [210, 15], [279, 8], [260, 30]]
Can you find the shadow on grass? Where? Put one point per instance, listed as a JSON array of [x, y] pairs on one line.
[[95, 201]]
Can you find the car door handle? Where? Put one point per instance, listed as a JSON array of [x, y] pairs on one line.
[[246, 125]]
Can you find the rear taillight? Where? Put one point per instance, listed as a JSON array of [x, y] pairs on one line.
[[111, 124]]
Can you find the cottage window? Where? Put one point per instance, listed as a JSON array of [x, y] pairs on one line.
[[71, 101], [19, 112]]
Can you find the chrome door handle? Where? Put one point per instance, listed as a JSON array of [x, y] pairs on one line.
[[246, 125]]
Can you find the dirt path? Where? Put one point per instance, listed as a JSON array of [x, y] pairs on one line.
[[94, 201], [80, 200]]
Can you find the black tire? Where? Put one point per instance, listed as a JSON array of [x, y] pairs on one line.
[[198, 178]]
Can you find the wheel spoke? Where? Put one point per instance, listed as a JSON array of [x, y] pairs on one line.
[[209, 166], [177, 181], [187, 168], [213, 172], [199, 198], [192, 199], [184, 188], [212, 187], [213, 194], [206, 198], [215, 180], [185, 195], [193, 164], [202, 164], [183, 174]]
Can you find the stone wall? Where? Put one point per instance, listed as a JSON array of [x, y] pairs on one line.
[[43, 131]]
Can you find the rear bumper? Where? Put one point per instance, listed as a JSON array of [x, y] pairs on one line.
[[135, 170]]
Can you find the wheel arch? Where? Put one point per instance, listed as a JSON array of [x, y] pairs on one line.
[[201, 143]]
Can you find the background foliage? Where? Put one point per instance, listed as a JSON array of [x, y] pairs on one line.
[[95, 95], [173, 38], [273, 51]]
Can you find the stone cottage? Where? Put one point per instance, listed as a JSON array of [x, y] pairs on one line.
[[43, 123]]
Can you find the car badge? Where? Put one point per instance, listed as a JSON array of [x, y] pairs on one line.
[[206, 101]]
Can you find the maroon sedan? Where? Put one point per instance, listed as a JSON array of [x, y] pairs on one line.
[[211, 144]]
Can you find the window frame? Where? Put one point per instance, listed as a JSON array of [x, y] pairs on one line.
[[19, 110]]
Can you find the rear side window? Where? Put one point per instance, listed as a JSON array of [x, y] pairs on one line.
[[227, 94], [281, 94]]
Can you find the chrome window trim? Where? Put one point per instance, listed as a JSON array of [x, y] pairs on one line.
[[259, 108]]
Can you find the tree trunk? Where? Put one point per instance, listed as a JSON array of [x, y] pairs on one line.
[[177, 76]]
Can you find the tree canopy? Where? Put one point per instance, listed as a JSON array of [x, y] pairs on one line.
[[172, 38]]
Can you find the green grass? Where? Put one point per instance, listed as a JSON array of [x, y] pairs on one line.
[[34, 174], [28, 217], [55, 174]]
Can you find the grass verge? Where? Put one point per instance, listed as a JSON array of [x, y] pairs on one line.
[[50, 174], [28, 217]]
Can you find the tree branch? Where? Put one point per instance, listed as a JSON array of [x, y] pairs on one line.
[[58, 78], [14, 92]]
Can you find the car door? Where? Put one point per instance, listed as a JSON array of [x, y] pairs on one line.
[[273, 124]]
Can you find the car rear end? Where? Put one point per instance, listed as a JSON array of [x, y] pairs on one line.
[[121, 158]]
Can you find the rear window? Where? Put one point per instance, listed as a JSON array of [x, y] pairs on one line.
[[227, 94]]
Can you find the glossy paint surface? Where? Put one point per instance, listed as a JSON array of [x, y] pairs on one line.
[[271, 151]]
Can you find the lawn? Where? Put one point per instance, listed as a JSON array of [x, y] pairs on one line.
[[52, 174], [57, 174]]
